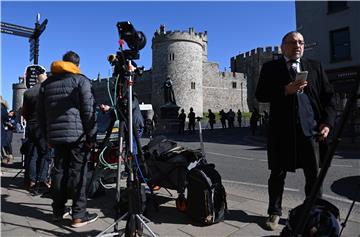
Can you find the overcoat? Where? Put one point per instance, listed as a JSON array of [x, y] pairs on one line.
[[274, 76]]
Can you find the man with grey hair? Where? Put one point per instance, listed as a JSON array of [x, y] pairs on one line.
[[302, 112]]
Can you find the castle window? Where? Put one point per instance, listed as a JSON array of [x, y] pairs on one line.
[[171, 57], [193, 85], [234, 85]]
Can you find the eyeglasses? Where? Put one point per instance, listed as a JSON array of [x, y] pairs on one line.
[[300, 42]]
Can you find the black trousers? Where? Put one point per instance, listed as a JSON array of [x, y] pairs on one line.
[[307, 159], [39, 162], [69, 175]]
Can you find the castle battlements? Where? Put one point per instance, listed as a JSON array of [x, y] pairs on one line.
[[260, 51], [188, 35]]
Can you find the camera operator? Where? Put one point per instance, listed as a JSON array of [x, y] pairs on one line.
[[38, 164], [68, 117]]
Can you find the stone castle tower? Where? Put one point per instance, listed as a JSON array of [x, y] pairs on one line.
[[180, 56], [18, 93]]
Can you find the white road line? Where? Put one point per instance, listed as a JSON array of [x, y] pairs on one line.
[[347, 166], [257, 185], [289, 189], [236, 157], [263, 160]]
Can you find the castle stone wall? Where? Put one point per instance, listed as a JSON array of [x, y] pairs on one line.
[[250, 63], [219, 92]]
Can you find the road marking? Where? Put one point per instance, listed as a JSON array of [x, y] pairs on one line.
[[289, 189], [347, 166], [230, 156], [339, 199], [258, 185], [263, 160]]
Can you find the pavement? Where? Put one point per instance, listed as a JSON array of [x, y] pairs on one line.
[[25, 214]]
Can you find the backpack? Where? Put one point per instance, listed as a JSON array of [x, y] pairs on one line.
[[323, 220], [206, 196]]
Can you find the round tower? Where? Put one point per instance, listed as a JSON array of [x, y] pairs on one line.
[[180, 56], [18, 93]]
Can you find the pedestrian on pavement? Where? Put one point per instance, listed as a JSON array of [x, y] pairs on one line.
[[231, 118], [191, 117], [6, 159], [239, 117], [182, 118], [223, 117], [255, 116], [301, 114], [212, 119], [10, 128], [38, 160], [68, 117]]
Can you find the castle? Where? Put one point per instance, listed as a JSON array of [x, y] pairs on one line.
[[197, 83]]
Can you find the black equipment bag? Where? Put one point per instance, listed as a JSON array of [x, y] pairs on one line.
[[323, 220], [168, 163], [206, 196]]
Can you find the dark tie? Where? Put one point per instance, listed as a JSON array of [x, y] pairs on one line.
[[293, 68]]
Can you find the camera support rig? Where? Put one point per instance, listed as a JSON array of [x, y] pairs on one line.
[[126, 70]]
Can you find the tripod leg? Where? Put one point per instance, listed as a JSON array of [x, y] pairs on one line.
[[343, 225], [144, 224]]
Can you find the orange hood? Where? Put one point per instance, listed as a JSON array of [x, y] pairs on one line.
[[59, 67]]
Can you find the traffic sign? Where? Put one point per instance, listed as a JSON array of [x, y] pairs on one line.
[[17, 27], [15, 32]]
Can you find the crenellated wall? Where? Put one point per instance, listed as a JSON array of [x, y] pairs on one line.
[[250, 64]]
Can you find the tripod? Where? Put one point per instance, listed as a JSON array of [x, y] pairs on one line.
[[22, 158], [309, 203], [135, 220]]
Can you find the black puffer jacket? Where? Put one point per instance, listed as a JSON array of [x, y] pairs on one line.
[[66, 106]]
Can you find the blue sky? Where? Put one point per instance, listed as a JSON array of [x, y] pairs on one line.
[[89, 28]]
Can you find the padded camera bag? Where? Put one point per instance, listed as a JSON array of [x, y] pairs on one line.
[[206, 196], [323, 220]]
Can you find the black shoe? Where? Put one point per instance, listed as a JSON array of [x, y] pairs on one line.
[[88, 218], [66, 213]]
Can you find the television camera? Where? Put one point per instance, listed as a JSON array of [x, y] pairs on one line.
[[136, 41]]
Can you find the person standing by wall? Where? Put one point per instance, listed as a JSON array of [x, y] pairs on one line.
[[301, 114], [182, 118], [191, 117], [231, 118], [223, 118], [68, 117], [212, 120], [239, 117], [255, 116]]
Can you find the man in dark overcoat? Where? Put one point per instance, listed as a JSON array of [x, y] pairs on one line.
[[302, 113]]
